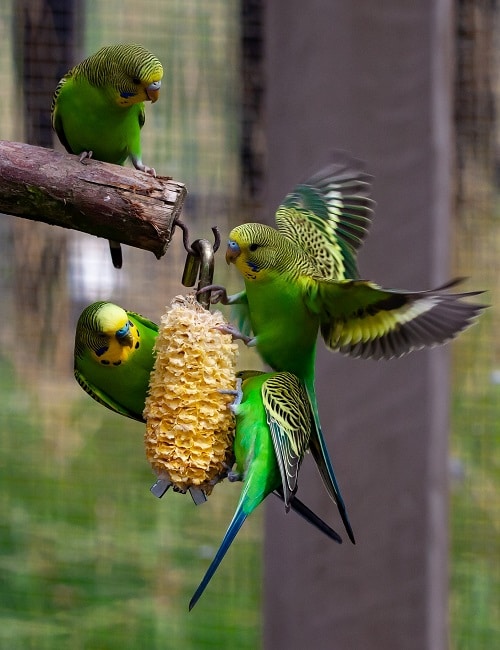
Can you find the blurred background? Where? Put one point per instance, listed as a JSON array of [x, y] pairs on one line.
[[88, 558]]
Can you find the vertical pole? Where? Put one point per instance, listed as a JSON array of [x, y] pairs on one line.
[[375, 79]]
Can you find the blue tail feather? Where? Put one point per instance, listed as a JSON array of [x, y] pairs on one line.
[[232, 531], [322, 458]]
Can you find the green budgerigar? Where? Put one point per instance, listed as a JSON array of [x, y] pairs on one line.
[[273, 426], [114, 356], [302, 278], [98, 107]]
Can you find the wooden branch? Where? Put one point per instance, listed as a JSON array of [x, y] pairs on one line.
[[105, 200]]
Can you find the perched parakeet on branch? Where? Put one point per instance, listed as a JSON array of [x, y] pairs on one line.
[[98, 107], [114, 357], [273, 426], [301, 278]]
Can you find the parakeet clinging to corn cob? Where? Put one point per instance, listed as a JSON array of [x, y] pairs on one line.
[[98, 107], [273, 426], [114, 355], [301, 278], [114, 359]]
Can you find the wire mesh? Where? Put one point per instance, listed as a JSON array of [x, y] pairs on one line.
[[89, 559], [475, 442]]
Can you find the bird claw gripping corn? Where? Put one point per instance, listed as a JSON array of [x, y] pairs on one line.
[[189, 425]]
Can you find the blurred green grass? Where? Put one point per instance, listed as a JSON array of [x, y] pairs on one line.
[[90, 559], [475, 523], [474, 603]]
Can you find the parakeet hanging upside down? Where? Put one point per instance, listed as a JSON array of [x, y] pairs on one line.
[[98, 107], [301, 278], [273, 426], [114, 357]]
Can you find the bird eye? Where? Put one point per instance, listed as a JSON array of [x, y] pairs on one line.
[[253, 247], [136, 81]]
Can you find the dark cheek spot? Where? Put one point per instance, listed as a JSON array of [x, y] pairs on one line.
[[137, 345], [104, 362], [116, 363]]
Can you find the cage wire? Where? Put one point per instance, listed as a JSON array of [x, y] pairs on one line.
[[89, 558], [475, 442]]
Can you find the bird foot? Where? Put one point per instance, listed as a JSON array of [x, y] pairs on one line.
[[144, 168], [233, 477], [218, 294], [220, 477], [250, 341], [85, 155], [238, 396]]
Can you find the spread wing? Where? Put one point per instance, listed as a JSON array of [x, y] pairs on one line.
[[364, 320], [329, 215]]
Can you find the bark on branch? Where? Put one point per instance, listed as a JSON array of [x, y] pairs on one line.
[[105, 200]]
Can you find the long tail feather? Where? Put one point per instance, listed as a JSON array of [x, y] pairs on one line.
[[232, 531], [322, 459], [310, 516]]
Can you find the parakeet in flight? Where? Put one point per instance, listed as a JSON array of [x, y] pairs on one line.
[[114, 357], [98, 107], [273, 426], [302, 278]]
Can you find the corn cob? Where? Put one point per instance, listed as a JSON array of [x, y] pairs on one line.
[[189, 427]]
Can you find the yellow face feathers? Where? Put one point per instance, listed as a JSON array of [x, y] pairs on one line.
[[110, 318], [252, 248], [257, 250], [129, 72], [105, 330]]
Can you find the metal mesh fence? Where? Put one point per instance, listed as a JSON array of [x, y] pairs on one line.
[[475, 442], [89, 559]]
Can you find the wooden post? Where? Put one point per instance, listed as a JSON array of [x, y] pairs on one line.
[[375, 79]]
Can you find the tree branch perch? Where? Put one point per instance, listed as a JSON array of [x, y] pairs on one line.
[[105, 200]]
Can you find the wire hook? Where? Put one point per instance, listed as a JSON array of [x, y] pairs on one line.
[[185, 238], [199, 262]]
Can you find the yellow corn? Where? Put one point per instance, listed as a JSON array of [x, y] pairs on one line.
[[189, 427]]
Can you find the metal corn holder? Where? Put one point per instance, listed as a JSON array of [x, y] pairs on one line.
[[199, 266]]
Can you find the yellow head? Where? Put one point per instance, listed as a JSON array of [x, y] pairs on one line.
[[107, 332], [129, 72], [255, 248]]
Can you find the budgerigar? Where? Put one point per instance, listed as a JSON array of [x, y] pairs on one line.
[[301, 278], [273, 426], [98, 107], [114, 357]]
